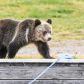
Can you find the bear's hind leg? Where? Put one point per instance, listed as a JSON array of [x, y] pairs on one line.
[[3, 51]]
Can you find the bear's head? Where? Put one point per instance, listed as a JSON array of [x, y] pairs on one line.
[[43, 30]]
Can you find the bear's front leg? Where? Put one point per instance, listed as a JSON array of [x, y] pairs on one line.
[[12, 50], [43, 49]]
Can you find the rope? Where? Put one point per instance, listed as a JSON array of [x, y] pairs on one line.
[[63, 56]]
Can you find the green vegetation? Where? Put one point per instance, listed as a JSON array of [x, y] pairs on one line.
[[67, 15]]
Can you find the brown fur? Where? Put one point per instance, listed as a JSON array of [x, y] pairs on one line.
[[13, 36]]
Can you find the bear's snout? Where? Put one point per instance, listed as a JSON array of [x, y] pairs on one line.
[[49, 39]]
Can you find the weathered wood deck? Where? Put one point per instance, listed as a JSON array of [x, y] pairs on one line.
[[22, 71]]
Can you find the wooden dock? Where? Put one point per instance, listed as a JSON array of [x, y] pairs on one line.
[[22, 71]]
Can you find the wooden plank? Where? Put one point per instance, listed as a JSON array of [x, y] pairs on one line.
[[21, 69], [31, 71], [42, 82], [41, 60]]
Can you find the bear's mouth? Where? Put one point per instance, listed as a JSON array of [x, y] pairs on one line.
[[45, 40]]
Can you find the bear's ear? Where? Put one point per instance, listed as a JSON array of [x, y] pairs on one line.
[[37, 22], [49, 21]]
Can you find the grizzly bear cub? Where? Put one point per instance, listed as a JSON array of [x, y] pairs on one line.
[[16, 34]]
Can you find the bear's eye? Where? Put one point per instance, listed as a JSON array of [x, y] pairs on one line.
[[50, 32], [45, 32]]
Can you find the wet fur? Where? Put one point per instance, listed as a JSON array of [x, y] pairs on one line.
[[13, 36]]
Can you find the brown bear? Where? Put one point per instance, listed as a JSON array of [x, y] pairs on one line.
[[16, 34]]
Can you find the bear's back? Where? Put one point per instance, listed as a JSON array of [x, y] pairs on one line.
[[7, 29], [6, 24]]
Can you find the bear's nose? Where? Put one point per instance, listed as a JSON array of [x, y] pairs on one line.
[[49, 39]]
